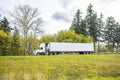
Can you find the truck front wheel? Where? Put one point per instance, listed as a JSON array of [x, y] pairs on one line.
[[37, 53]]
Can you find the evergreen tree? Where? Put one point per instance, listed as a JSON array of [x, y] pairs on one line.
[[76, 23], [15, 45], [100, 25], [109, 32], [4, 25], [117, 36], [91, 23], [83, 27]]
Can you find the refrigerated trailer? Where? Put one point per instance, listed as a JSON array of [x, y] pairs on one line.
[[64, 47]]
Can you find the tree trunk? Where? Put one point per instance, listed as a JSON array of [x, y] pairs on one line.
[[108, 46], [94, 47], [98, 46]]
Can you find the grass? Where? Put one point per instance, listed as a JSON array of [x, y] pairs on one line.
[[61, 67]]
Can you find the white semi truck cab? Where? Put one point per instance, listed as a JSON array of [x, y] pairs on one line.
[[63, 47], [41, 50]]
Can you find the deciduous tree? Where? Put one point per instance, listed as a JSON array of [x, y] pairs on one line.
[[27, 19], [5, 41]]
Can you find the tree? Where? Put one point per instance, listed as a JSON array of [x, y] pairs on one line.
[[26, 18], [109, 32], [33, 44], [15, 45], [83, 27], [36, 29], [76, 23], [48, 38], [4, 25], [91, 23], [100, 25], [66, 36], [117, 36], [5, 41]]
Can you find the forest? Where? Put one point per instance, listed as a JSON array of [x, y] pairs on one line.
[[22, 38]]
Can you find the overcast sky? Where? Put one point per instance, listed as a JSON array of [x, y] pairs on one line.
[[58, 14]]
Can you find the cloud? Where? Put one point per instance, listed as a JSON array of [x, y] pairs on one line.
[[65, 3], [107, 1], [61, 16]]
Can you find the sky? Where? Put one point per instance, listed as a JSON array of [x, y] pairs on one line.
[[58, 14]]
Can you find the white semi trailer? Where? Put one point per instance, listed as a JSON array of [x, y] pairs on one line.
[[63, 47]]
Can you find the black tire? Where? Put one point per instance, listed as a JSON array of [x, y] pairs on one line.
[[37, 54], [53, 53], [49, 53], [58, 53], [43, 53]]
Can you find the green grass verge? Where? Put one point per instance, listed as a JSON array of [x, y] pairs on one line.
[[60, 67]]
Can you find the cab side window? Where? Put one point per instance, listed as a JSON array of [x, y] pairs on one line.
[[41, 48]]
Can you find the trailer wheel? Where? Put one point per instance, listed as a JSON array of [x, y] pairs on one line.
[[49, 53], [52, 53], [58, 53], [81, 52]]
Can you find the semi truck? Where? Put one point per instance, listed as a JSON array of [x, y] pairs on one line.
[[63, 47]]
